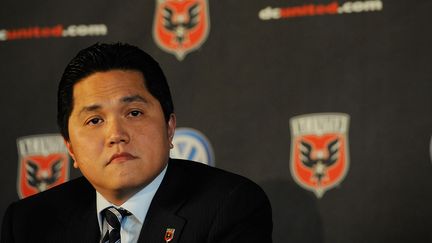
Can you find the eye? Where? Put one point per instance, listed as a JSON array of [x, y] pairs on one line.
[[94, 121], [135, 113]]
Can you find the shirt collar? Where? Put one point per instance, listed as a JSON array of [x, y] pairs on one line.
[[138, 204]]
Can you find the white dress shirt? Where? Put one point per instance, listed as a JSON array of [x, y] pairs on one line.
[[138, 205]]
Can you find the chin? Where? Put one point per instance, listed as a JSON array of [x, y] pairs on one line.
[[129, 183]]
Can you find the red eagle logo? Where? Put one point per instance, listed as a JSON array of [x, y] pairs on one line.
[[43, 163], [319, 159], [169, 234], [181, 26], [39, 173]]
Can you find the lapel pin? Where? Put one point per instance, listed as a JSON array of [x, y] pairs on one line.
[[169, 234]]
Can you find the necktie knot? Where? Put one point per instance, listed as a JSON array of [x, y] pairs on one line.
[[114, 217]]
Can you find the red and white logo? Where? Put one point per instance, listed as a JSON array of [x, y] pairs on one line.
[[43, 163], [169, 234], [181, 26], [319, 150]]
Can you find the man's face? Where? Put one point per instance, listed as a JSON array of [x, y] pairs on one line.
[[119, 138]]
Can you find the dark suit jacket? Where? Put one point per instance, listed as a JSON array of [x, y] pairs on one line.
[[201, 203]]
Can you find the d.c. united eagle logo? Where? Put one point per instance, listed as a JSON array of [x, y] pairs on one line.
[[169, 235], [180, 26], [319, 150], [43, 163]]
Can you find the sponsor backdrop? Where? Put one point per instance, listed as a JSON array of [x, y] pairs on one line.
[[326, 104]]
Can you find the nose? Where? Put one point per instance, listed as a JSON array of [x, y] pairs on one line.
[[117, 133]]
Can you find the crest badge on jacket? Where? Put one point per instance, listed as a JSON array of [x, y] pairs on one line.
[[169, 235], [181, 26], [43, 162], [319, 150]]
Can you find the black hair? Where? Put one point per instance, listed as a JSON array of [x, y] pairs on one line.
[[102, 57]]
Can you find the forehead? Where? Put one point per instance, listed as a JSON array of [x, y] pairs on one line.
[[109, 85]]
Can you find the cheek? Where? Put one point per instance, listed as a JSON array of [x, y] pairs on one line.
[[85, 137], [85, 148], [153, 142], [155, 135]]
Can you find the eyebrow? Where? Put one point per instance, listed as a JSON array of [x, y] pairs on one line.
[[133, 98], [126, 99]]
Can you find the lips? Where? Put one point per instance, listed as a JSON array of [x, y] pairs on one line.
[[121, 157]]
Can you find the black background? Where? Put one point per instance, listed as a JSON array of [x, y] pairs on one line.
[[244, 84]]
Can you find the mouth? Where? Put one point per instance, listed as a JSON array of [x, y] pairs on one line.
[[121, 157]]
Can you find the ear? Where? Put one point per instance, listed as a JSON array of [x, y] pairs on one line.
[[71, 153], [171, 127]]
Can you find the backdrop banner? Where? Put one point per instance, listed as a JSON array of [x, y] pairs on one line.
[[327, 104]]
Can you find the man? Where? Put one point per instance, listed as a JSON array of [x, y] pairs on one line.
[[117, 118]]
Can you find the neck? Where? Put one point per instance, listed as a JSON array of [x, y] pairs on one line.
[[118, 197]]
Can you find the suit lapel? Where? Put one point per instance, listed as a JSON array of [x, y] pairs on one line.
[[82, 220], [157, 225], [162, 215], [88, 229]]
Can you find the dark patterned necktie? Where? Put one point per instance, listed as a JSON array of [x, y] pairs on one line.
[[113, 217]]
